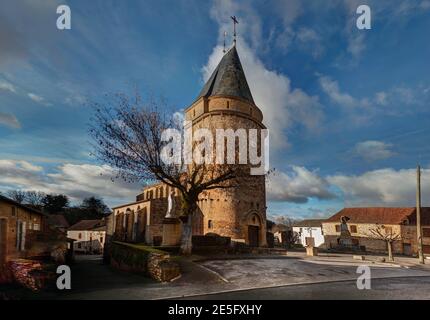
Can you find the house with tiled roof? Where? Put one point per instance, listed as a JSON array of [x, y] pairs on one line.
[[89, 236], [309, 231], [361, 222]]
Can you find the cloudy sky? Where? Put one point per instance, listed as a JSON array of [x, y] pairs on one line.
[[348, 109]]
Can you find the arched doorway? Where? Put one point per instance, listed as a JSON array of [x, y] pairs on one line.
[[254, 229]]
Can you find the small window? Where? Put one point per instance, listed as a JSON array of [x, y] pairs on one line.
[[101, 239], [80, 235], [228, 104], [338, 228], [13, 211], [210, 224], [353, 229], [194, 112]]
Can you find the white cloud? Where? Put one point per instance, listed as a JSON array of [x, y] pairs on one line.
[[7, 86], [373, 150], [35, 97], [331, 88], [282, 105], [381, 98], [9, 120], [387, 187], [297, 186], [75, 180]]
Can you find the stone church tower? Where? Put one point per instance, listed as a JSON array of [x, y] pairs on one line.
[[226, 102]]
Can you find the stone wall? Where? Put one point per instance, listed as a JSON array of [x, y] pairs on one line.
[[141, 259]]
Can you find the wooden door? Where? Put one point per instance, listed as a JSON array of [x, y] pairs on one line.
[[253, 236], [3, 241]]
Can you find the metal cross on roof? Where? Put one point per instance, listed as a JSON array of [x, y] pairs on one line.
[[234, 26]]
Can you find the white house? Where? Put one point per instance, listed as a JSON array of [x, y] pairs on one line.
[[308, 230], [90, 236]]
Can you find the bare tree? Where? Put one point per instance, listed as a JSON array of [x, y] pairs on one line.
[[34, 198], [285, 220], [17, 195], [381, 232], [127, 135]]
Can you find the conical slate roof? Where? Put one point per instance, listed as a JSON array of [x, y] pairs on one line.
[[228, 79]]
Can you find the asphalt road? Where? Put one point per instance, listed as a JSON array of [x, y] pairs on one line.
[[409, 288]]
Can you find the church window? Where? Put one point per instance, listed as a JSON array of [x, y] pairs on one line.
[[210, 224]]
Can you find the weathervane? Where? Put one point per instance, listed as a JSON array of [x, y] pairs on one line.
[[234, 26]]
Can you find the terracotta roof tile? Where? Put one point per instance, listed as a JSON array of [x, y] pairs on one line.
[[382, 215], [87, 225], [309, 223]]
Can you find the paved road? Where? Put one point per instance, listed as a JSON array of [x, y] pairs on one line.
[[93, 280], [410, 288]]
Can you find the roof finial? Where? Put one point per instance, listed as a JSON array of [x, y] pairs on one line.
[[234, 26], [225, 35]]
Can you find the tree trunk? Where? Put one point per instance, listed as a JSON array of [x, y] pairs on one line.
[[390, 251], [187, 235]]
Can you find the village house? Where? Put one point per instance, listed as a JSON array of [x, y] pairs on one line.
[[19, 225], [309, 232], [89, 236], [236, 213], [58, 222], [400, 222]]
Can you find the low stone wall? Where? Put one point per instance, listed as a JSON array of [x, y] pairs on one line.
[[143, 259]]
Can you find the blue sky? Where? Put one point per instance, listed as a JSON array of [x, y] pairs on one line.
[[348, 109]]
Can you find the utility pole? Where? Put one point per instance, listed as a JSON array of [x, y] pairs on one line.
[[419, 230]]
